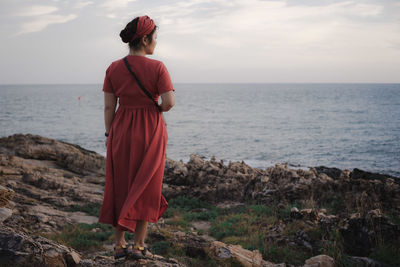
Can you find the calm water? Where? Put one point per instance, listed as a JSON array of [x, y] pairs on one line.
[[336, 125]]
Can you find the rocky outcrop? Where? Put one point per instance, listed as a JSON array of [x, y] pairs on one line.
[[48, 177], [358, 203], [68, 156], [362, 233], [208, 180], [244, 257], [20, 249], [347, 191], [41, 179], [5, 197]]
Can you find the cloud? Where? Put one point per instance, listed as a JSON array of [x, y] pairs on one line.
[[83, 4], [111, 16], [40, 23], [245, 20], [115, 4], [269, 34], [248, 39], [36, 11]]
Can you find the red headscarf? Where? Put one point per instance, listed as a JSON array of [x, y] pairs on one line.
[[145, 26]]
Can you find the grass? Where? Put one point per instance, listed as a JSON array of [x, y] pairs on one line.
[[333, 245], [250, 228], [334, 204], [245, 225], [182, 204], [90, 208], [248, 225], [84, 237], [287, 254], [394, 218], [387, 253]]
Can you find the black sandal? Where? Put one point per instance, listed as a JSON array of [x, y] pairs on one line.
[[144, 253], [143, 250], [122, 254], [136, 255]]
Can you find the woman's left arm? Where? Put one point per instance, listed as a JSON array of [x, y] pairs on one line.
[[110, 102]]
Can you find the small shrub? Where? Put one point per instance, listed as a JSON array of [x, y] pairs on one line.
[[81, 237], [160, 247], [387, 253], [90, 208]]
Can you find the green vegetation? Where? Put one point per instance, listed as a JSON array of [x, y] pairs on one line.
[[84, 236], [333, 245], [183, 205], [334, 204], [249, 228], [388, 254], [394, 218], [250, 225], [90, 208]]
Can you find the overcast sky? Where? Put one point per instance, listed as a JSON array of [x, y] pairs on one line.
[[55, 41]]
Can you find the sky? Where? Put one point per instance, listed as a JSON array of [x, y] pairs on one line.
[[207, 41]]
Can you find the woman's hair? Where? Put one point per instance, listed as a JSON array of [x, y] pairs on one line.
[[130, 29]]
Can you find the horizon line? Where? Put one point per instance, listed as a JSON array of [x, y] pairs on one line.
[[5, 84]]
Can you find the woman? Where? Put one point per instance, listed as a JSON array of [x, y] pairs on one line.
[[137, 139]]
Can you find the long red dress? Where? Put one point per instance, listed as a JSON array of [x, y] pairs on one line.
[[136, 145]]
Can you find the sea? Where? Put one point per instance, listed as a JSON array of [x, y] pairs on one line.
[[338, 125]]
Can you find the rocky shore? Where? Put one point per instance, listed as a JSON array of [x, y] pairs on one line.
[[45, 183]]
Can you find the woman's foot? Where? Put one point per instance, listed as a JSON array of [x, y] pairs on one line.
[[120, 251], [142, 251], [147, 253]]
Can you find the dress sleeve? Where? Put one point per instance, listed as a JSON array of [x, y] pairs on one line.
[[107, 86], [164, 83]]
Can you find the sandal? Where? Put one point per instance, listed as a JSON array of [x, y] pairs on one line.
[[143, 251], [134, 254], [123, 253], [151, 256]]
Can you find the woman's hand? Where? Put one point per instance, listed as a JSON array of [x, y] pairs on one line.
[[168, 101], [110, 102]]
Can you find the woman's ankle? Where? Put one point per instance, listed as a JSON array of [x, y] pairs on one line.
[[120, 243]]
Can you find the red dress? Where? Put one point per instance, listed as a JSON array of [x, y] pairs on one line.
[[136, 145]]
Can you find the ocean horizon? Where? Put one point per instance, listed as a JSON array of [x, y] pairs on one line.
[[343, 125]]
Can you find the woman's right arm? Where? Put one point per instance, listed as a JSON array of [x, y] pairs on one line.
[[110, 102], [168, 100]]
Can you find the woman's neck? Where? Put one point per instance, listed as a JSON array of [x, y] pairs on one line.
[[137, 52]]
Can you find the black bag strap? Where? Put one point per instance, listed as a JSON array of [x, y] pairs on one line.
[[141, 85]]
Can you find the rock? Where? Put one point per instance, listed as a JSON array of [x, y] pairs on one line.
[[320, 261], [18, 249], [6, 194], [81, 217], [324, 178], [196, 160], [202, 225], [360, 174], [72, 258], [5, 213], [309, 214], [69, 156], [222, 251], [46, 178], [363, 262], [331, 172], [345, 175], [362, 233]]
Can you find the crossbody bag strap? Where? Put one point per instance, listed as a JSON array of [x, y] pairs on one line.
[[141, 85]]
